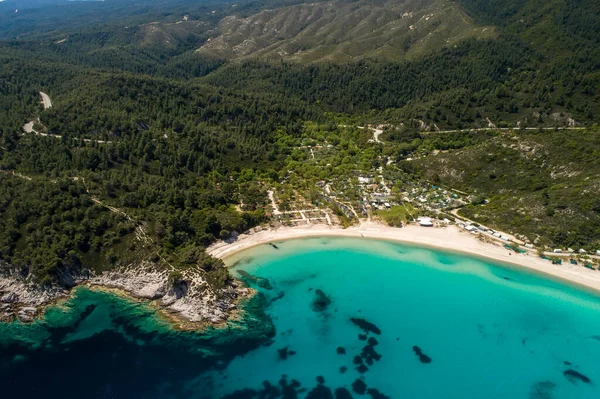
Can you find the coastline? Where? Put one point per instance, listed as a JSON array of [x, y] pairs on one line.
[[449, 239]]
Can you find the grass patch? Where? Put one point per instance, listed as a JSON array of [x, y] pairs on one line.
[[397, 215]]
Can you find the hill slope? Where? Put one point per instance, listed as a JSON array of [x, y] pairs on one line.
[[544, 185], [343, 31]]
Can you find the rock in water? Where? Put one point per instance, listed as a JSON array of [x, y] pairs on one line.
[[340, 350], [273, 245], [321, 301], [422, 357], [365, 325], [575, 376], [359, 386]]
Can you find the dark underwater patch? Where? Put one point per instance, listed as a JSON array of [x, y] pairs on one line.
[[369, 355], [284, 353], [542, 390], [320, 392], [273, 245], [340, 350], [277, 297], [422, 357], [575, 377], [365, 325], [375, 394], [342, 393], [246, 393], [362, 369], [262, 282], [359, 386], [321, 301]]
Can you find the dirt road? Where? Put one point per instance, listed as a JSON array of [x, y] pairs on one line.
[[46, 100]]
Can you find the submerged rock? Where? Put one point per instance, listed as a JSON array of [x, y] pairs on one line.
[[575, 377], [321, 301], [422, 357], [269, 390], [259, 281], [369, 354], [362, 369], [359, 386], [375, 394], [277, 297], [340, 350], [542, 390], [362, 337], [366, 325], [320, 379], [320, 392], [273, 245], [284, 353], [342, 393], [241, 394], [343, 369]]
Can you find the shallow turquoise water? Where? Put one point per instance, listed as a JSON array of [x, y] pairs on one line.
[[489, 331]]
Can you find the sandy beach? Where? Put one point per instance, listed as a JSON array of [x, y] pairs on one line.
[[450, 238]]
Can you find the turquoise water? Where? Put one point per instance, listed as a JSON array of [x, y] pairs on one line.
[[484, 331], [490, 331]]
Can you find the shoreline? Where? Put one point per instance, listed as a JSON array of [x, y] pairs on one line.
[[449, 239]]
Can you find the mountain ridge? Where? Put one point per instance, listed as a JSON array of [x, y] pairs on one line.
[[342, 31]]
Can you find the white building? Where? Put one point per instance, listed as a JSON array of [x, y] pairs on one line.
[[425, 222]]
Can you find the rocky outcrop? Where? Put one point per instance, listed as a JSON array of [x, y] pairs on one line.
[[22, 300], [199, 302]]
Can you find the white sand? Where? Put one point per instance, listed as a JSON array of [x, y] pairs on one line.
[[449, 238]]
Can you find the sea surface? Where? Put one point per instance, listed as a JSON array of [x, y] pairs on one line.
[[354, 318]]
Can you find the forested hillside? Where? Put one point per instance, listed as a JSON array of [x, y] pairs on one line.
[[149, 135], [541, 184]]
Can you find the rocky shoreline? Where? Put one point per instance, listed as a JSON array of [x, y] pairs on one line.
[[191, 308]]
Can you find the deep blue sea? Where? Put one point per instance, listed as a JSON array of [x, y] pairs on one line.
[[354, 318]]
